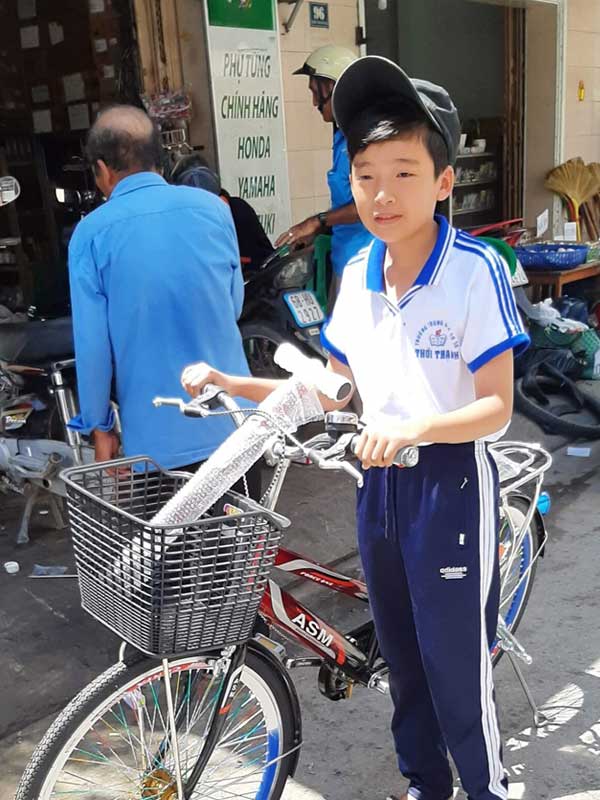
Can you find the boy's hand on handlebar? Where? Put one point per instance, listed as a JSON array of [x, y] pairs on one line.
[[379, 444], [195, 377]]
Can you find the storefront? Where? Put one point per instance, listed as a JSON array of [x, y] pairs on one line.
[[231, 61], [59, 63], [501, 61], [251, 118]]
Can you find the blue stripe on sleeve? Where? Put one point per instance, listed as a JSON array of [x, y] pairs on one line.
[[506, 288], [518, 343], [487, 251], [469, 248]]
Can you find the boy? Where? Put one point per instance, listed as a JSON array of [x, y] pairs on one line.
[[425, 324]]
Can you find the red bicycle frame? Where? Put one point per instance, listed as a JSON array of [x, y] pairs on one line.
[[279, 609]]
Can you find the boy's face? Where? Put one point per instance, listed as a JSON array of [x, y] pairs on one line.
[[395, 188]]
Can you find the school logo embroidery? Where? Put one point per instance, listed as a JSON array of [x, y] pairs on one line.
[[453, 573], [438, 339], [437, 342]]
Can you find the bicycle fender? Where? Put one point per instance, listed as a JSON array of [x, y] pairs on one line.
[[261, 651], [538, 524]]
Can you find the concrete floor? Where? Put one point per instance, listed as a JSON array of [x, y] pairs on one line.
[[49, 648]]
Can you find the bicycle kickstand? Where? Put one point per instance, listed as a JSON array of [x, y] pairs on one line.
[[539, 718], [513, 649]]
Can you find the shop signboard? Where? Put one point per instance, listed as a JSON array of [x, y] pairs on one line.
[[245, 67]]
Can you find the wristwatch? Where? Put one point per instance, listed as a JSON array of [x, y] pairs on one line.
[[322, 217]]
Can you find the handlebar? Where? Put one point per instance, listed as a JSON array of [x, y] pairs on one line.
[[207, 402], [406, 457], [323, 450]]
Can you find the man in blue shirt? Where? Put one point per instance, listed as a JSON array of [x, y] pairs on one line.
[[324, 66], [155, 284]]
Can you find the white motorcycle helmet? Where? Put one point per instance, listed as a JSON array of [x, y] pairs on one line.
[[327, 62]]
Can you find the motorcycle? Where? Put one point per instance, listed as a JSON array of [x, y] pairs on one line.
[[38, 380], [37, 399], [278, 307]]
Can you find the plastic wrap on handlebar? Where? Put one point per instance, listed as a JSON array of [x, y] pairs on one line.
[[335, 386]]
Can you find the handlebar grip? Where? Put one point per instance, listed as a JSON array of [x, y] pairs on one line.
[[406, 457]]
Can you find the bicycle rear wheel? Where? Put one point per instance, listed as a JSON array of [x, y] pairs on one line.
[[109, 743], [517, 565]]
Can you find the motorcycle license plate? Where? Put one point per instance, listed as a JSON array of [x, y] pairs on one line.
[[305, 308]]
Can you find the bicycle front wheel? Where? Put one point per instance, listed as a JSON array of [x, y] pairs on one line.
[[112, 742]]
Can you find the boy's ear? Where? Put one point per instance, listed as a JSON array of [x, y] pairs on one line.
[[446, 184]]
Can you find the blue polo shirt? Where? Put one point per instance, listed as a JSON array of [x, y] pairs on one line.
[[346, 240], [156, 285], [418, 356]]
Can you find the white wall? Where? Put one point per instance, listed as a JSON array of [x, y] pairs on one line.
[[309, 139], [582, 118]]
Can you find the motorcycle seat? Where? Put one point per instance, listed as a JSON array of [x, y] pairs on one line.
[[37, 342]]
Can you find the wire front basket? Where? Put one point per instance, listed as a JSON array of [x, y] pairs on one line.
[[167, 590]]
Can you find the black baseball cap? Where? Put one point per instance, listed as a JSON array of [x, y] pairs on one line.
[[374, 80]]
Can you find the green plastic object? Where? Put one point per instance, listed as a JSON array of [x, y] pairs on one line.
[[587, 350], [585, 346], [504, 249], [322, 248]]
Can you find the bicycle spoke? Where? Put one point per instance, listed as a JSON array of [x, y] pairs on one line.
[[130, 733], [126, 753]]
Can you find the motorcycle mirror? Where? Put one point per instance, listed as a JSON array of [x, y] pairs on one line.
[[67, 197], [10, 189]]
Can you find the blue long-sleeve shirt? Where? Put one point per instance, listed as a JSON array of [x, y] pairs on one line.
[[346, 240], [156, 285]]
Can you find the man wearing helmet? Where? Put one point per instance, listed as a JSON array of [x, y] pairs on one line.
[[323, 67]]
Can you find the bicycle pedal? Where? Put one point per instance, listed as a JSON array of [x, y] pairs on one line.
[[380, 681]]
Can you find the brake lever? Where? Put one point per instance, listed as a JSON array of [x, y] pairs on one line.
[[335, 465], [169, 401], [191, 409], [209, 396]]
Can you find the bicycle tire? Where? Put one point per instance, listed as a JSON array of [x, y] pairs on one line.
[[116, 687], [552, 423], [531, 545]]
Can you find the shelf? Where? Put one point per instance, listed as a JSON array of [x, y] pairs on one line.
[[474, 155], [465, 184], [472, 210]]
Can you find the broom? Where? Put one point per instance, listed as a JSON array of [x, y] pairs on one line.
[[573, 181], [594, 203]]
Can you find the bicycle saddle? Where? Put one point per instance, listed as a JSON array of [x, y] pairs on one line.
[[36, 341]]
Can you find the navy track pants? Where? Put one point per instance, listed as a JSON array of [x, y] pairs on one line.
[[428, 542]]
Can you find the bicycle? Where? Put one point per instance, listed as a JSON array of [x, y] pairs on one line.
[[224, 721]]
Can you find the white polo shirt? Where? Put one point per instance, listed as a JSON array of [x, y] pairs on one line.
[[418, 356]]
